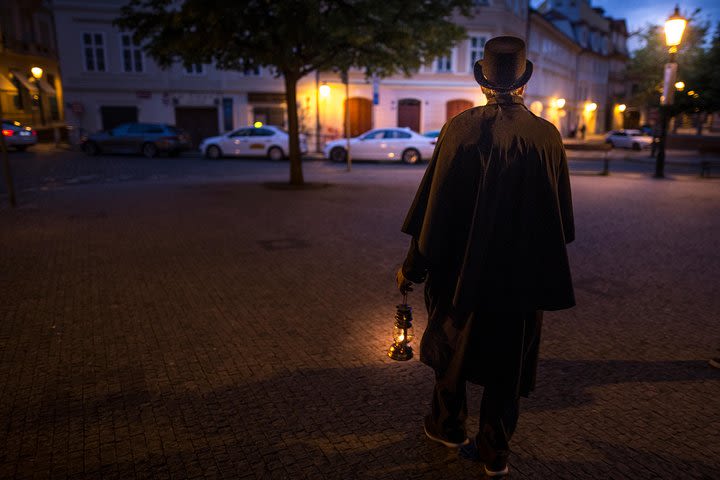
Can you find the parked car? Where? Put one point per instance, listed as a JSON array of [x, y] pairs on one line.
[[384, 144], [149, 139], [634, 139], [434, 134], [17, 135], [261, 141]]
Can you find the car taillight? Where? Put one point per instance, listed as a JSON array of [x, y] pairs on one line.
[[33, 132], [8, 133]]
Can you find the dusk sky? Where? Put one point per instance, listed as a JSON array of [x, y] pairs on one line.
[[638, 13]]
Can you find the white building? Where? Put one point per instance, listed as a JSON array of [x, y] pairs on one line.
[[551, 91], [603, 48], [108, 79]]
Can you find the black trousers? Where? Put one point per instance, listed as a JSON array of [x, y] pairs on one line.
[[499, 412], [499, 409]]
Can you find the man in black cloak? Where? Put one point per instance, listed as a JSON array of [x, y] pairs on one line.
[[489, 225]]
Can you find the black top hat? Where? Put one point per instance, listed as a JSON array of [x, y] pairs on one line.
[[503, 67]]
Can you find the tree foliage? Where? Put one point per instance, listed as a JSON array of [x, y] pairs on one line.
[[296, 37], [697, 68]]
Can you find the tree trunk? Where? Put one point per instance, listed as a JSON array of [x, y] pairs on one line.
[[296, 174]]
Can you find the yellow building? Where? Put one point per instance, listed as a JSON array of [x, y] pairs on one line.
[[30, 83]]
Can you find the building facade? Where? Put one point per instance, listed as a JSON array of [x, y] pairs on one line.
[[551, 93], [28, 50], [109, 80], [599, 64]]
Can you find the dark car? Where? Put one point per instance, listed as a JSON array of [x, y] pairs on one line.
[[148, 139], [18, 135]]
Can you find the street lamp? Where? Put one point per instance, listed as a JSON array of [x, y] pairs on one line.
[[674, 28], [37, 73], [679, 86]]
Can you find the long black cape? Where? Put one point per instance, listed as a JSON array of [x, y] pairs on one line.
[[494, 211], [489, 222]]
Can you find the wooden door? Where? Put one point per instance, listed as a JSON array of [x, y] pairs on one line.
[[409, 113], [360, 115], [454, 107], [198, 122]]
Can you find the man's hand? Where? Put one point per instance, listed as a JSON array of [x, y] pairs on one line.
[[403, 284]]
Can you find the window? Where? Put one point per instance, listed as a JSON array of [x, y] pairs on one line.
[[395, 134], [18, 98], [262, 132], [121, 129], [376, 135], [443, 64], [132, 55], [243, 132], [54, 109], [477, 45], [194, 69], [94, 51]]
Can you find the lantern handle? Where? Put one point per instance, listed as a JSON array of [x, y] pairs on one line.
[[404, 298]]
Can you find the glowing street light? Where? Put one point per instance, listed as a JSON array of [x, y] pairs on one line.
[[37, 73], [679, 86], [560, 103], [622, 107], [590, 107], [674, 28], [324, 90]]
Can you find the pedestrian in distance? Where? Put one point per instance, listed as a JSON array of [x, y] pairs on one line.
[[489, 225], [583, 128]]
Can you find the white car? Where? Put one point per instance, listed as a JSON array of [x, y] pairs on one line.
[[634, 139], [383, 144], [261, 141]]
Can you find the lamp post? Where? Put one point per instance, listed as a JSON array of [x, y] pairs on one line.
[[674, 28], [323, 92], [37, 73]]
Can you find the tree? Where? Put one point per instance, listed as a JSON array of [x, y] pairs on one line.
[[708, 75], [296, 37]]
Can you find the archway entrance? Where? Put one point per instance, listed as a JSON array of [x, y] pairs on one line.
[[454, 107], [409, 113], [360, 115]]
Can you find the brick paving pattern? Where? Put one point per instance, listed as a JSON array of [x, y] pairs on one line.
[[190, 327]]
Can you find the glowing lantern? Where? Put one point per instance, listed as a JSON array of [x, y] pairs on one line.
[[403, 333]]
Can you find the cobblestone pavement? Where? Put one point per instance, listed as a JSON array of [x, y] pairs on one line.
[[197, 326]]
